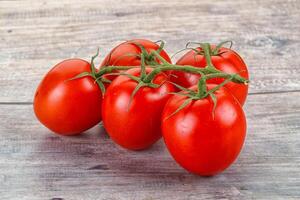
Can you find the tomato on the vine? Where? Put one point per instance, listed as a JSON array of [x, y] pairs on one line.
[[202, 138], [68, 107], [225, 60], [128, 53], [134, 122]]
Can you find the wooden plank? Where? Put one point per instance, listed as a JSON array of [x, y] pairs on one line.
[[35, 35], [36, 164]]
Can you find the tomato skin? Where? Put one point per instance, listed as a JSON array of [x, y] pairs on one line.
[[135, 125], [200, 142], [68, 107], [227, 61]]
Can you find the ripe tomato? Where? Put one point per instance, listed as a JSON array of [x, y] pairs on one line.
[[135, 124], [226, 60], [202, 142], [65, 106], [125, 54]]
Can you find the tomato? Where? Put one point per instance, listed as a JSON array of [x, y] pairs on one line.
[[201, 142], [68, 107], [127, 54], [135, 124], [226, 60]]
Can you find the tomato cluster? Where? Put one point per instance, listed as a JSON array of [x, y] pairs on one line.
[[195, 104]]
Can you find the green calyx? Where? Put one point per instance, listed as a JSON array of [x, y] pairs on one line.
[[216, 50], [199, 48], [93, 74], [99, 76], [148, 58]]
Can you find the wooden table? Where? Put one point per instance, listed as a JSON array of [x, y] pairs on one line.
[[36, 164]]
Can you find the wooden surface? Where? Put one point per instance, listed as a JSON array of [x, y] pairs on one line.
[[36, 164]]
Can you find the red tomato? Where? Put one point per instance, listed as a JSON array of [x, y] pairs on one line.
[[68, 107], [125, 53], [135, 125], [199, 141], [227, 61]]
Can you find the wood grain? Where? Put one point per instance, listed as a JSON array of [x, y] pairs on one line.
[[36, 164], [35, 35]]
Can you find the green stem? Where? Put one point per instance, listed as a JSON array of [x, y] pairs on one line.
[[156, 54], [207, 54], [202, 89], [110, 69], [143, 66], [234, 77], [168, 67], [210, 72], [219, 86]]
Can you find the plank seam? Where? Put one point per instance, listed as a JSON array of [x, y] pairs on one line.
[[250, 94]]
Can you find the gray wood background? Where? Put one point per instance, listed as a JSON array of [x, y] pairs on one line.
[[36, 164]]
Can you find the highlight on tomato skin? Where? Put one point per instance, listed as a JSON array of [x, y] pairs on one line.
[[226, 60], [68, 107], [203, 141], [134, 122]]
